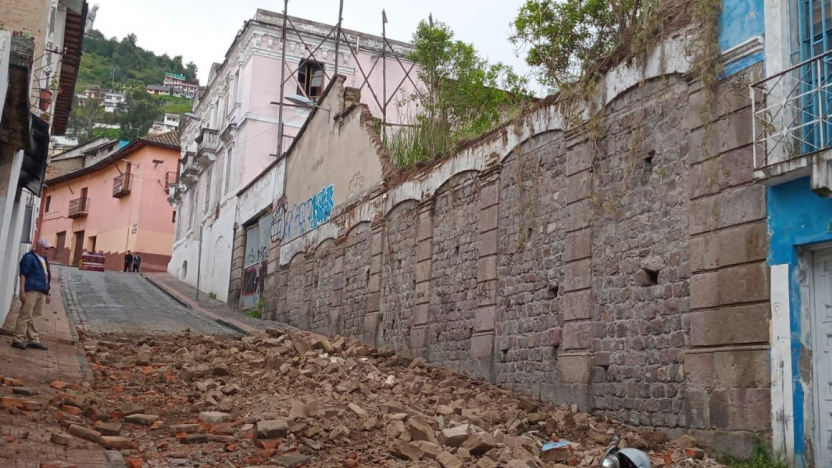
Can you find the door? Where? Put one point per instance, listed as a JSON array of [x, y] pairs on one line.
[[79, 248], [60, 245], [822, 311]]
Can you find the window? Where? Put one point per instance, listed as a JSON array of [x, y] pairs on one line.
[[208, 189], [310, 79], [47, 204], [173, 217], [815, 40], [228, 170]]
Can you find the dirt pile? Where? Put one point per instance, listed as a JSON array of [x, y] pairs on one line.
[[291, 400]]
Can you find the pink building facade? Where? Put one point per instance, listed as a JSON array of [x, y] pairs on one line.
[[115, 204], [232, 137]]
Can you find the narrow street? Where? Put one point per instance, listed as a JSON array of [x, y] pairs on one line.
[[127, 303]]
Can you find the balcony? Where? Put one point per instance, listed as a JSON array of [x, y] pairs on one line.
[[174, 194], [171, 179], [207, 142], [122, 185], [79, 208], [792, 125], [189, 176]]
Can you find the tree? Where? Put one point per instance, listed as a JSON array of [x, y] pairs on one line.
[[465, 97], [137, 115], [565, 38], [86, 114], [190, 72]]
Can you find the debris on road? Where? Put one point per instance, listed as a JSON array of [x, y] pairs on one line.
[[290, 400]]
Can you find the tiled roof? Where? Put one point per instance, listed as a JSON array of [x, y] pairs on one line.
[[168, 138]]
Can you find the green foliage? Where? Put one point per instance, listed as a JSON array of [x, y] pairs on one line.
[[253, 313], [115, 64], [212, 295], [85, 115], [565, 39], [761, 458], [137, 115], [465, 96]]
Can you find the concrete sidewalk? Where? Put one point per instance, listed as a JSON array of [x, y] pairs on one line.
[[185, 294], [24, 438]]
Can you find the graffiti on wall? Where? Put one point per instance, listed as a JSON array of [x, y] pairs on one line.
[[256, 262], [288, 224]]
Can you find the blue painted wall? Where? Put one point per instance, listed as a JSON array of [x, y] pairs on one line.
[[796, 217], [739, 21]]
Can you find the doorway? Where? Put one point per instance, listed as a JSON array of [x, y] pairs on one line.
[[79, 248], [92, 244], [60, 245], [821, 304]]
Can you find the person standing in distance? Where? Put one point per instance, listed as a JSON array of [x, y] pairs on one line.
[[137, 262], [128, 261], [35, 280]]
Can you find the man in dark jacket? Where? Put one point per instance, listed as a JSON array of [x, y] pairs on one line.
[[137, 262], [35, 280], [128, 261]]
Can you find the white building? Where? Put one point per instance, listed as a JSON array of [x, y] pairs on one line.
[[169, 123], [233, 135]]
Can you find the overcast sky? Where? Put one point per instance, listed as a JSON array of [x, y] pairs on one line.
[[202, 30]]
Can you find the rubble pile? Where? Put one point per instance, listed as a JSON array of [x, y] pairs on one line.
[[285, 399]]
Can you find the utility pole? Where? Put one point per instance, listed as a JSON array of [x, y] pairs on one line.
[[384, 75], [338, 33], [282, 80]]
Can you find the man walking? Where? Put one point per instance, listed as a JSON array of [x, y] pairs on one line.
[[137, 262], [128, 261], [35, 279]]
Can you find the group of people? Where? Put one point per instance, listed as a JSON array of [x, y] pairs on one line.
[[132, 262]]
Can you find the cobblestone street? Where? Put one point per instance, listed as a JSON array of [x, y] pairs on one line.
[[114, 302]]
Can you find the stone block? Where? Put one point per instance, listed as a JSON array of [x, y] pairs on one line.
[[576, 335], [741, 409], [574, 368], [423, 271], [554, 337], [374, 283], [377, 244], [578, 245], [373, 302], [744, 283], [424, 251], [422, 293], [577, 305], [487, 293], [697, 409], [741, 205], [748, 324], [375, 264], [338, 265], [482, 345], [737, 368], [704, 290], [727, 100], [578, 275], [737, 444], [335, 298], [578, 158], [420, 314], [371, 322], [727, 134], [418, 337], [488, 243], [484, 319], [489, 194], [703, 215], [699, 369], [729, 170], [334, 320], [487, 268], [488, 218], [578, 215], [578, 186], [425, 229]]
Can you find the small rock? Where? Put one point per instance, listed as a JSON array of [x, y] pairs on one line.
[[25, 391], [449, 460], [695, 453], [214, 417], [291, 460], [361, 412], [195, 439], [272, 429], [60, 439], [84, 433], [141, 419], [455, 436], [405, 450], [115, 442], [183, 428], [109, 429]]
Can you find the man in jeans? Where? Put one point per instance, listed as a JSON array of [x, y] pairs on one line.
[[35, 279]]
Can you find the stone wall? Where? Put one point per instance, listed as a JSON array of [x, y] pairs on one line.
[[618, 265]]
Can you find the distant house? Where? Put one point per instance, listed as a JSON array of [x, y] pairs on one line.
[[111, 99], [169, 123], [158, 90], [179, 85], [115, 202]]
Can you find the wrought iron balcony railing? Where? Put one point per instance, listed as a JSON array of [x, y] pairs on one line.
[[79, 207], [791, 112], [122, 185], [171, 178]]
